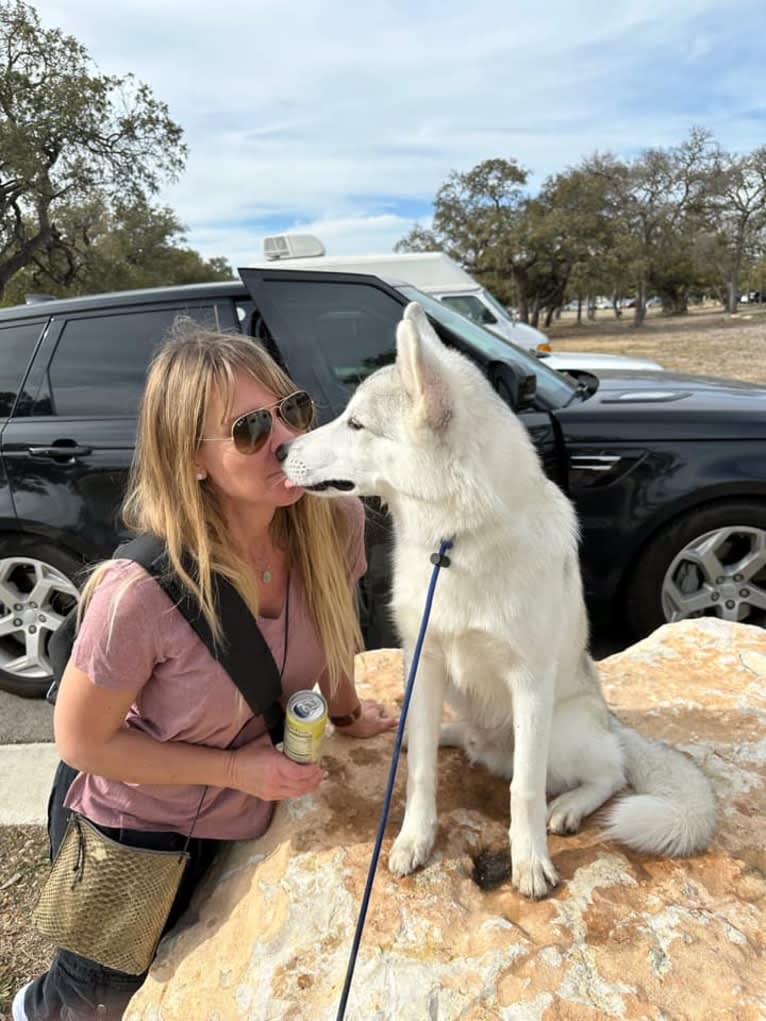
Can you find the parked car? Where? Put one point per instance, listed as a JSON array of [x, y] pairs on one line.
[[578, 365], [666, 471]]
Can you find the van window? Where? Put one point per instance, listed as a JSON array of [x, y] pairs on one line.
[[17, 342], [100, 362], [469, 306]]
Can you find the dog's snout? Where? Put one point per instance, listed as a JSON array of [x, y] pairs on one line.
[[282, 451]]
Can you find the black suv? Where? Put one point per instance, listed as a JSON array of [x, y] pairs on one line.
[[668, 472]]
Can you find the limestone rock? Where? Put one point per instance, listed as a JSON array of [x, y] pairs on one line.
[[623, 936]]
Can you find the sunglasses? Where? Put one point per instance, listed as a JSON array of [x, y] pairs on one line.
[[250, 431]]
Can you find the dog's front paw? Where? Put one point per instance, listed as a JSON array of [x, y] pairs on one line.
[[409, 853], [534, 877], [565, 814]]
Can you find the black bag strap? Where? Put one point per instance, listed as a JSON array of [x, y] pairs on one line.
[[244, 653]]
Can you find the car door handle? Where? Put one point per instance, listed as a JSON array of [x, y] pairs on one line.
[[60, 451]]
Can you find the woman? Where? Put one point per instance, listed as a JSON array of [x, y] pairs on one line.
[[145, 717]]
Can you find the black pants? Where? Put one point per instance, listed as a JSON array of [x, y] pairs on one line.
[[75, 988]]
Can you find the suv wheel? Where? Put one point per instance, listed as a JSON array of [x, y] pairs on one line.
[[709, 563], [37, 591]]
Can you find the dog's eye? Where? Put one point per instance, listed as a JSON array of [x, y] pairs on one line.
[[354, 423]]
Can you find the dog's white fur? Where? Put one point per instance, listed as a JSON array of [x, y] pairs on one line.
[[507, 641]]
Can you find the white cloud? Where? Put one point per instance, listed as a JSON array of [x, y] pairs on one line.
[[321, 112]]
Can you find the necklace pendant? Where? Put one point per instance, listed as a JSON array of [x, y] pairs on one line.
[[266, 576]]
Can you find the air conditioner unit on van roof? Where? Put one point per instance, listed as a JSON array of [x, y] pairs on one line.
[[291, 246]]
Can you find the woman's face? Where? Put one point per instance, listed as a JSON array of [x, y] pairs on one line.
[[245, 478]]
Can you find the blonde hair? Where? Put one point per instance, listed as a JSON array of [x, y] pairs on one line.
[[165, 498]]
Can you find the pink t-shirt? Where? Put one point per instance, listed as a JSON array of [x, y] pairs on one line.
[[183, 694]]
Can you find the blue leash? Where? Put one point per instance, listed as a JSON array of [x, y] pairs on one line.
[[439, 560]]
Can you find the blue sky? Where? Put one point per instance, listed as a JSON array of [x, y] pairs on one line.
[[343, 120]]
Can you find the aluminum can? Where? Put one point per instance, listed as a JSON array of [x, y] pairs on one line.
[[305, 724]]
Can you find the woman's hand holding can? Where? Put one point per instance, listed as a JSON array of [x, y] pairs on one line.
[[260, 770]]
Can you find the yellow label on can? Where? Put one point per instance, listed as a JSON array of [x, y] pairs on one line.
[[305, 724]]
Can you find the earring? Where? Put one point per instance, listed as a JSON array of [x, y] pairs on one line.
[[201, 476]]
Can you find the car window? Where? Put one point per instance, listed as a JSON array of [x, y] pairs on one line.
[[470, 307], [99, 365], [353, 326], [17, 342]]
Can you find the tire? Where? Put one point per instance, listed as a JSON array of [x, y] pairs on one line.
[[38, 587], [710, 562]]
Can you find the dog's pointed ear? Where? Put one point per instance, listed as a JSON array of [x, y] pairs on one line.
[[419, 369], [414, 313]]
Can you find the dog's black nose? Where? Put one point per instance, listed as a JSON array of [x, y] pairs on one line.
[[282, 451]]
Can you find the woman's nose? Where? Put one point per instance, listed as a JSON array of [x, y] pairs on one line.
[[281, 434]]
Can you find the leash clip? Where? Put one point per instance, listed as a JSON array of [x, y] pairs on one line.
[[440, 560]]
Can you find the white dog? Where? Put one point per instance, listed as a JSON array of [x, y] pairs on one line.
[[507, 641]]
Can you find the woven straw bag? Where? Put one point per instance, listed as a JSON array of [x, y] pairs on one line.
[[108, 902]]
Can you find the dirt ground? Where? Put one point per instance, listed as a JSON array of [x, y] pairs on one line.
[[707, 342], [23, 867]]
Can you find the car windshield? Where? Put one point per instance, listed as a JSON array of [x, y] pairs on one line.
[[553, 387]]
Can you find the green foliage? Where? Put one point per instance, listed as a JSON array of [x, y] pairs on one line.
[[734, 218], [672, 222], [134, 245], [418, 240], [74, 143], [481, 219]]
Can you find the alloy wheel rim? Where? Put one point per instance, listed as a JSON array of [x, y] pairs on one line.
[[34, 599], [719, 574]]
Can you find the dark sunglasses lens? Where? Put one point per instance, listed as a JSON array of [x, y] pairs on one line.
[[250, 431], [297, 411]]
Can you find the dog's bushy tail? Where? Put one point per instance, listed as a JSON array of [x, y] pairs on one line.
[[673, 811]]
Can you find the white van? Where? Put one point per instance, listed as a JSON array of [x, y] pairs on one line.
[[435, 273]]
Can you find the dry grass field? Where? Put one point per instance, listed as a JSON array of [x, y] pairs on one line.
[[707, 341]]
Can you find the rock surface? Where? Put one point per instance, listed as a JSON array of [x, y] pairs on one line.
[[623, 936]]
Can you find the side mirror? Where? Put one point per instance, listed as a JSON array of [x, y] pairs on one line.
[[515, 387]]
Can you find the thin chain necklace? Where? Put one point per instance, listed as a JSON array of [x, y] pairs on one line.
[[264, 569]]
